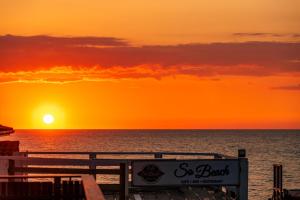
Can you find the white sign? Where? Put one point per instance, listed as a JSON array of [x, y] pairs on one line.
[[185, 172]]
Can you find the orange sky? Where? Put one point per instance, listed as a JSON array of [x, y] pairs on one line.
[[148, 64]]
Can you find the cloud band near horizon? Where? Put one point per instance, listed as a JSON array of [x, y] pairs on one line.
[[61, 59]]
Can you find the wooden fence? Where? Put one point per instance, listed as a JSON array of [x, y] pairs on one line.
[[27, 168]]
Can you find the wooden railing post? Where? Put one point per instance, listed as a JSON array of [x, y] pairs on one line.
[[217, 156], [57, 186], [11, 169], [158, 155], [124, 193], [92, 166], [277, 182]]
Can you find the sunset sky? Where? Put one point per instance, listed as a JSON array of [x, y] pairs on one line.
[[150, 64]]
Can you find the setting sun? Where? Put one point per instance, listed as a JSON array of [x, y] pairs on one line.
[[48, 115], [48, 119]]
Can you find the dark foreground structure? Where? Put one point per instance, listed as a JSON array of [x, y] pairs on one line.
[[61, 187], [131, 175], [5, 130], [278, 192]]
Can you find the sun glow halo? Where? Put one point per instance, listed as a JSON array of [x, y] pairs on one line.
[[48, 119]]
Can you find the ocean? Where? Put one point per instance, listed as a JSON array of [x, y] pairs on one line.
[[264, 148]]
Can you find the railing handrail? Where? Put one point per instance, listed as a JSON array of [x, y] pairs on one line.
[[91, 190], [39, 176], [129, 153], [65, 161]]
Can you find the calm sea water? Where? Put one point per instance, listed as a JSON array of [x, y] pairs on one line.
[[264, 147]]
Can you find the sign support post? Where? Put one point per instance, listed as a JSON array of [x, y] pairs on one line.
[[243, 186]]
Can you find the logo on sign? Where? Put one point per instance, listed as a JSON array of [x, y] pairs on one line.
[[151, 173]]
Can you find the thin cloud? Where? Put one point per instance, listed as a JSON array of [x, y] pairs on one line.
[[91, 58], [251, 34], [296, 35], [288, 87], [262, 34], [51, 41]]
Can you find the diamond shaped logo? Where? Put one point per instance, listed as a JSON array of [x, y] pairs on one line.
[[151, 173]]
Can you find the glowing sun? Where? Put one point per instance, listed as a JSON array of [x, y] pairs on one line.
[[48, 119]]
